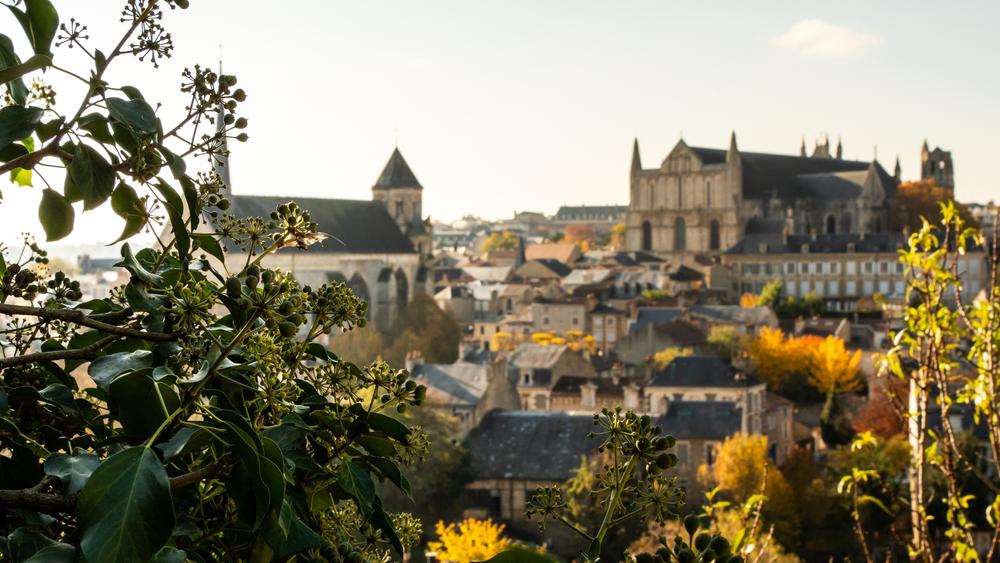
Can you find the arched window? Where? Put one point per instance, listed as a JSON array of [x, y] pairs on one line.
[[647, 235], [680, 234], [845, 223], [680, 192], [831, 225], [713, 235], [708, 194]]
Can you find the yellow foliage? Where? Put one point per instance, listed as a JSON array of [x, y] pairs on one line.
[[773, 357], [833, 368], [505, 240], [748, 300], [502, 342], [470, 540], [576, 340], [740, 465], [663, 358]]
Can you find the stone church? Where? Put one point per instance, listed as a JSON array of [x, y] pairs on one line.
[[702, 200], [379, 247]]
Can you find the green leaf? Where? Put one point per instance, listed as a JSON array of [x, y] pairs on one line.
[[105, 369], [133, 266], [169, 555], [21, 176], [288, 535], [392, 427], [136, 114], [73, 470], [55, 214], [126, 203], [358, 483], [92, 176], [381, 521], [191, 197], [55, 553], [18, 122], [125, 510], [207, 243], [40, 22], [175, 211], [140, 403], [97, 125], [8, 58]]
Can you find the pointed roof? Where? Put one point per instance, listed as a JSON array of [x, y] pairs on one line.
[[636, 160], [397, 173]]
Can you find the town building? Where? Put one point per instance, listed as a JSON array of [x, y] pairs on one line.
[[465, 390], [700, 200], [601, 218]]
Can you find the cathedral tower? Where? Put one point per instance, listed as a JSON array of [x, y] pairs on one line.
[[398, 189], [936, 165]]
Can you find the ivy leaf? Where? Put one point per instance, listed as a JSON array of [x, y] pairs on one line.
[[133, 266], [73, 470], [287, 535], [211, 246], [105, 369], [140, 403], [175, 211], [125, 510], [126, 203], [392, 427], [40, 21], [55, 553], [55, 214], [22, 176], [358, 484], [135, 113], [169, 555], [92, 176], [18, 122], [8, 58], [97, 125]]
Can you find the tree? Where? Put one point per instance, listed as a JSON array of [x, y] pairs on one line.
[[213, 425], [919, 200], [360, 346], [469, 541], [505, 240], [775, 358], [663, 358], [617, 239], [832, 368], [725, 341], [749, 300], [581, 235], [770, 295], [424, 327]]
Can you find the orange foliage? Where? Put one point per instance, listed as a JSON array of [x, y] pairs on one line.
[[826, 361], [748, 300], [832, 368], [922, 198], [879, 416]]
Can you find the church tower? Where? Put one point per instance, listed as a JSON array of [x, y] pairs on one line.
[[399, 191], [936, 165]]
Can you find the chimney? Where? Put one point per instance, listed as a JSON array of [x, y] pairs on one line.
[[588, 395], [631, 392]]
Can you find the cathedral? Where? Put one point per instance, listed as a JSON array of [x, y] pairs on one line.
[[380, 247], [701, 201]]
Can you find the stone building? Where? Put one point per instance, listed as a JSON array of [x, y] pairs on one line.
[[700, 200], [465, 390], [936, 165], [377, 247]]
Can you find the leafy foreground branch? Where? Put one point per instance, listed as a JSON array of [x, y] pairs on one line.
[[190, 414]]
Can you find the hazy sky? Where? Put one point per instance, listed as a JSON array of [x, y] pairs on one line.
[[529, 104]]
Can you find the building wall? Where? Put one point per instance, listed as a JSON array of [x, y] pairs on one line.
[[560, 317]]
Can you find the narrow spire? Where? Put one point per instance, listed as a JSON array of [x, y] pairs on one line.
[[898, 172], [802, 147], [840, 149], [636, 159], [924, 148], [220, 160], [733, 154]]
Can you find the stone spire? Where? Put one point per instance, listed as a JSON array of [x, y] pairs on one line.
[[840, 149], [220, 160], [636, 159], [898, 172], [802, 147], [733, 154]]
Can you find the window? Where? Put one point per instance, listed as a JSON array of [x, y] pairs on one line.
[[790, 268], [682, 453], [869, 267], [680, 234], [852, 268], [820, 267], [482, 330], [680, 192], [834, 268], [852, 288], [883, 287], [708, 194], [678, 396], [803, 288], [709, 396], [545, 321], [647, 235], [831, 225], [611, 321], [805, 267], [713, 233], [710, 453], [767, 268], [900, 267], [868, 288], [576, 321], [884, 267]]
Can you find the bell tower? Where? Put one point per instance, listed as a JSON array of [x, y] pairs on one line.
[[399, 191], [937, 165]]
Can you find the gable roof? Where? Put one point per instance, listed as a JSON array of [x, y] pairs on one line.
[[542, 268], [766, 174], [700, 371], [531, 355], [397, 173], [460, 383], [563, 252], [701, 420], [655, 315], [732, 314], [354, 226]]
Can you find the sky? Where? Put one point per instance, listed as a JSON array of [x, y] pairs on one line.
[[532, 104]]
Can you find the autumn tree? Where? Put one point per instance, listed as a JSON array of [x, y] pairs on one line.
[[581, 235], [749, 300], [922, 199], [725, 341], [663, 358], [468, 541], [425, 328], [617, 238], [832, 368], [504, 240]]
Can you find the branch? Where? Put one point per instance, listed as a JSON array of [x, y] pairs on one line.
[[76, 316], [35, 500], [85, 353]]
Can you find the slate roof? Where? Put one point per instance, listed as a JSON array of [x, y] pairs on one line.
[[461, 383], [531, 355], [701, 420], [821, 244], [686, 274], [488, 273], [732, 313], [589, 212], [700, 371], [549, 446], [354, 226], [655, 315], [682, 332], [570, 385], [397, 173], [767, 174], [555, 267]]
